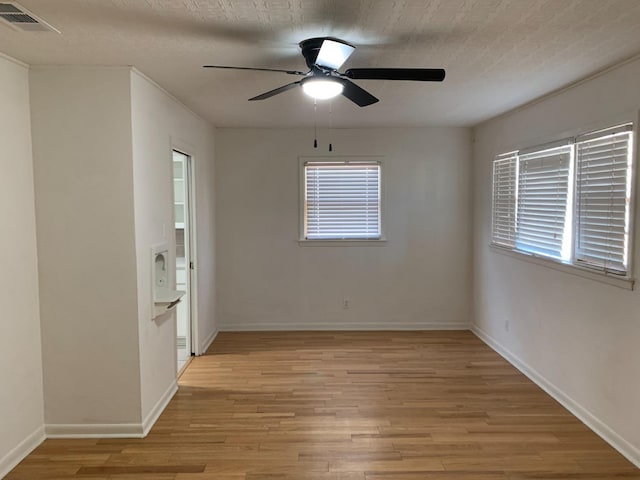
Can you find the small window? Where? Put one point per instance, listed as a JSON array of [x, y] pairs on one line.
[[570, 201], [342, 200]]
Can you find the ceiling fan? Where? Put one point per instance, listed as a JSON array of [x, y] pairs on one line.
[[324, 56]]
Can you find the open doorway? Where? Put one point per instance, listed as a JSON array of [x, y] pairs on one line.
[[182, 196]]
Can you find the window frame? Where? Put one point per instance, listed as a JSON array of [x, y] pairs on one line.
[[542, 152], [301, 202], [570, 265]]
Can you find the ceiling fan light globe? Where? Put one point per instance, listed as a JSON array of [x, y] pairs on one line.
[[322, 89]]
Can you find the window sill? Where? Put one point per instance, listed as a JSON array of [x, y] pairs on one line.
[[343, 243], [616, 281]]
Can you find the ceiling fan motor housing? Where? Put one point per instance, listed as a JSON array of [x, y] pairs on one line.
[[310, 49], [313, 47]]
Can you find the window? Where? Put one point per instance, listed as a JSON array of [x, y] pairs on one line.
[[504, 199], [603, 199], [543, 187], [569, 201], [342, 200]]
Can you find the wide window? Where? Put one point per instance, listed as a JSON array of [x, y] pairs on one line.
[[342, 200], [570, 201]]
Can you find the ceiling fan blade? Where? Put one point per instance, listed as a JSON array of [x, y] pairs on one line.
[[357, 95], [290, 72], [334, 53], [275, 91], [417, 74]]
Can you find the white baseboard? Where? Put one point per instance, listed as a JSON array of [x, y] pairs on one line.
[[24, 448], [590, 420], [344, 326], [208, 341], [113, 430], [94, 430], [158, 408]]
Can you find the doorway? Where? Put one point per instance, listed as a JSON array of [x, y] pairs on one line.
[[182, 197]]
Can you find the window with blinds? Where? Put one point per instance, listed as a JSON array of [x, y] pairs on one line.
[[342, 200], [569, 201], [543, 187], [504, 199], [603, 191]]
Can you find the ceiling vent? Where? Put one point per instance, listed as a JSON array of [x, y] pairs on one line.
[[19, 18]]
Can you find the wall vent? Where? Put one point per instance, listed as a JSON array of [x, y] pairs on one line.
[[19, 18]]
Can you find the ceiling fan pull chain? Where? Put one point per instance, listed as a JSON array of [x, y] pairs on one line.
[[330, 125], [315, 124]]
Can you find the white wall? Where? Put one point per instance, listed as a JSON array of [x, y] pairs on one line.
[[159, 124], [579, 336], [81, 122], [419, 279], [21, 401]]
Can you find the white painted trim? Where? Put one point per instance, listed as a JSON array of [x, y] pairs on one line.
[[185, 148], [94, 430], [377, 242], [184, 367], [20, 63], [208, 341], [609, 279], [351, 326], [609, 435], [113, 430], [158, 408], [20, 451], [90, 68], [302, 241]]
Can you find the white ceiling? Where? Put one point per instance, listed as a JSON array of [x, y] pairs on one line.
[[498, 53]]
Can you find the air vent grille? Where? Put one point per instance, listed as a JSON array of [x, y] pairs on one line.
[[20, 18], [8, 8]]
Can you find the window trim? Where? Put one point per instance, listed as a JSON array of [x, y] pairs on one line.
[[626, 281], [327, 242]]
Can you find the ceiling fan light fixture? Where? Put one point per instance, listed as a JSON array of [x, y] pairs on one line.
[[322, 88]]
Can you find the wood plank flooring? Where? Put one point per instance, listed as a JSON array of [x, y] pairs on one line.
[[346, 406]]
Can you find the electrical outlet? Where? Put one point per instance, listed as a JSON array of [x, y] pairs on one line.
[[345, 303]]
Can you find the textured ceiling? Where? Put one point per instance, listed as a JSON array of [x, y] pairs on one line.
[[498, 53]]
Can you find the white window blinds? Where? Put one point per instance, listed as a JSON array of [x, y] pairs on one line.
[[543, 185], [603, 199], [342, 200], [504, 199]]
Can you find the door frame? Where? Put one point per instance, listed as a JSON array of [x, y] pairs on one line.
[[189, 151]]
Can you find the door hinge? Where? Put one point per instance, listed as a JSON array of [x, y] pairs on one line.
[[191, 266]]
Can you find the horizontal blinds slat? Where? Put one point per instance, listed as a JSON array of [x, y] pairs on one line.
[[504, 200], [603, 134], [342, 200], [530, 198], [546, 149], [602, 199], [543, 187]]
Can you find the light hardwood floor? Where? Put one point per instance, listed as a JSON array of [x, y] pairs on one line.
[[346, 406]]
